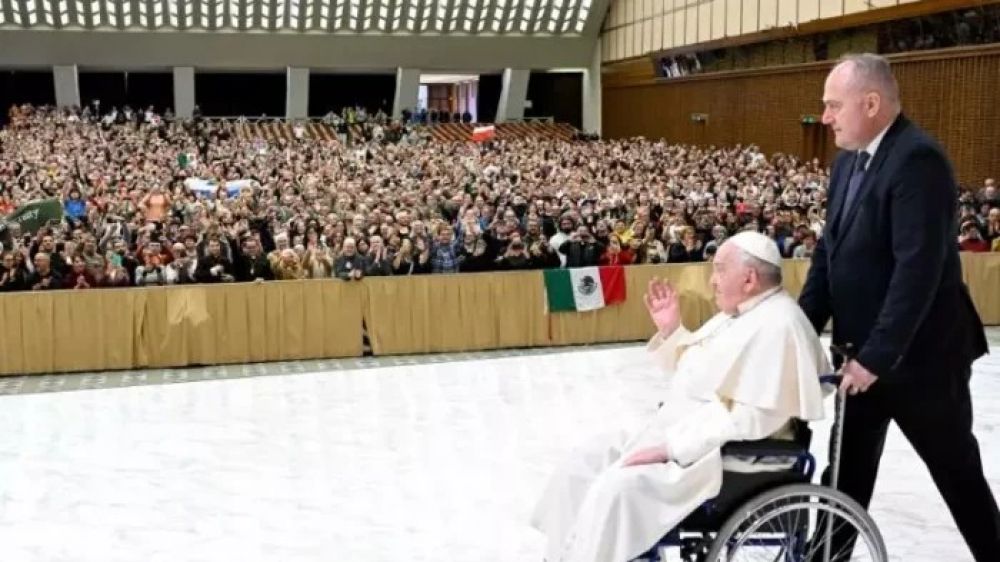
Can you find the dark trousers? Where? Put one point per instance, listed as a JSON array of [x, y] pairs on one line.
[[936, 418]]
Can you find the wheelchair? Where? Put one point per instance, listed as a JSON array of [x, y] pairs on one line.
[[768, 509]]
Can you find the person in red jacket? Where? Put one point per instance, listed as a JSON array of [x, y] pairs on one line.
[[615, 254]]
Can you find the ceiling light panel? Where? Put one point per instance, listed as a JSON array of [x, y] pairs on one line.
[[545, 17]]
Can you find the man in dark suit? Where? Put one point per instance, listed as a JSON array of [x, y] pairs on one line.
[[249, 263], [887, 271]]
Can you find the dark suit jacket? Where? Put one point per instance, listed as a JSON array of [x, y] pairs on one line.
[[249, 269], [203, 272], [887, 270]]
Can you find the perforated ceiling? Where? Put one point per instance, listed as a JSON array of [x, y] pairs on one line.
[[436, 17]]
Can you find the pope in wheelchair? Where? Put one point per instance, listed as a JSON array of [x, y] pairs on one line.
[[749, 373]]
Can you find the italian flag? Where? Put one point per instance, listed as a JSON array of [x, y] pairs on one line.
[[584, 288]]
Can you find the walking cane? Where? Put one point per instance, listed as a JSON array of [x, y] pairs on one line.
[[840, 401]]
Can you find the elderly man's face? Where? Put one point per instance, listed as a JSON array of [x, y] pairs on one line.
[[849, 111], [732, 280], [350, 248], [42, 262]]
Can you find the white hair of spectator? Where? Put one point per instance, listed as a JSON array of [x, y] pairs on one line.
[[870, 72]]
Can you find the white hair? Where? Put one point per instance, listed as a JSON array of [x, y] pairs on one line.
[[873, 72], [768, 273]]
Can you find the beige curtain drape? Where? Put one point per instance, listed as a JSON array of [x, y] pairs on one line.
[[64, 331], [175, 326]]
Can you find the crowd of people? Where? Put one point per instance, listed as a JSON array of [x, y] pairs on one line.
[[151, 201]]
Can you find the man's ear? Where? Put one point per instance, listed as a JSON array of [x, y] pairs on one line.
[[873, 102]]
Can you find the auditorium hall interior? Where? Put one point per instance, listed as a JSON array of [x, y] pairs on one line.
[[499, 280]]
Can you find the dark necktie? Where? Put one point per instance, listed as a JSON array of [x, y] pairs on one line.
[[854, 184]]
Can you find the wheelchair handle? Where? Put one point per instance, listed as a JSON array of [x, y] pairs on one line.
[[833, 379]]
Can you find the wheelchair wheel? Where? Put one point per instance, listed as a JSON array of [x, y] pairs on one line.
[[794, 523]]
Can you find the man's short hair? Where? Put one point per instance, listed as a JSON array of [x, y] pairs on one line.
[[870, 71]]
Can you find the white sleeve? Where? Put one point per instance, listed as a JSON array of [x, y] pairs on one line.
[[664, 349], [712, 425]]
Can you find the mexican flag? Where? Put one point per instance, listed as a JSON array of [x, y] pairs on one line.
[[185, 159], [584, 288]]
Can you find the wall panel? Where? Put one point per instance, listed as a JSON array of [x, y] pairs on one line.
[[691, 23], [768, 14], [734, 17], [751, 15], [666, 16], [808, 10], [952, 95], [830, 9], [704, 21], [718, 9], [788, 11], [637, 40], [854, 6], [678, 22]]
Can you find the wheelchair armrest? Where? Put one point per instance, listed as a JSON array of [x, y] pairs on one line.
[[763, 448]]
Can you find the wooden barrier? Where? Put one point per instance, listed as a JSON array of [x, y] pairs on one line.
[[63, 331]]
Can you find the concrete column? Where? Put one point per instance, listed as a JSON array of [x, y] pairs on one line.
[[67, 85], [592, 93], [297, 93], [407, 91], [513, 92], [183, 91], [474, 100]]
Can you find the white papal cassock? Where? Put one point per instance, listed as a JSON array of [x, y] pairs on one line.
[[739, 377]]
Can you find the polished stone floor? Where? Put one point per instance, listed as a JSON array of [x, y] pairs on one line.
[[394, 459]]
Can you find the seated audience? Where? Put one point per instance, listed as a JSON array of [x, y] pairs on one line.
[[151, 201]]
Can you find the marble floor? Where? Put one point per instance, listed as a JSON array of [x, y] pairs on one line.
[[412, 460]]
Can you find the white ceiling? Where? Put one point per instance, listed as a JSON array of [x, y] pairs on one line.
[[448, 78], [430, 17]]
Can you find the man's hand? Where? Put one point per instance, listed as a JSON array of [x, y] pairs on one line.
[[649, 455], [663, 305], [856, 378]]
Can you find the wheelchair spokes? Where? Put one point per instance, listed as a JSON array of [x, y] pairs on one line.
[[799, 523]]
